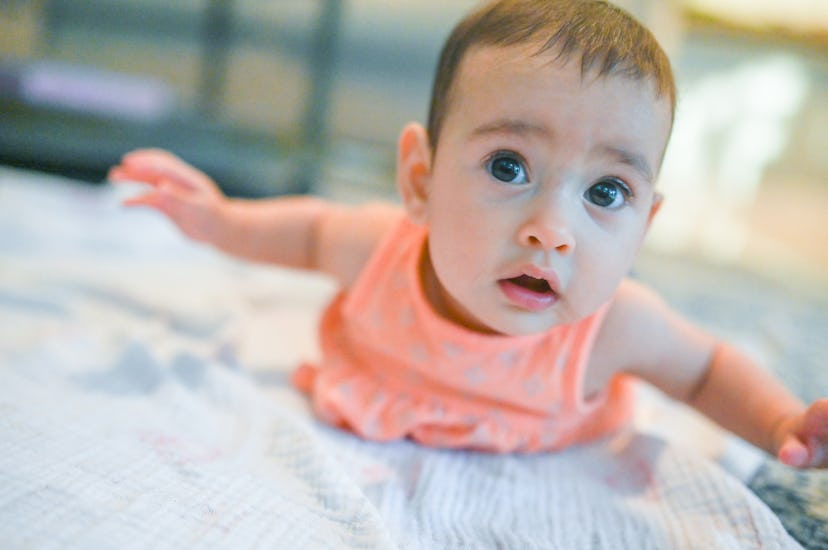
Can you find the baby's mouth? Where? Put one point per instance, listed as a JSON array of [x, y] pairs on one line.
[[529, 293], [541, 286]]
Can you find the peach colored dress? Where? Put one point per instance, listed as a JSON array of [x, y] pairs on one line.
[[392, 368]]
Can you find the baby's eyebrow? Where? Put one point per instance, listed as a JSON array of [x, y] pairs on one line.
[[635, 160], [509, 126]]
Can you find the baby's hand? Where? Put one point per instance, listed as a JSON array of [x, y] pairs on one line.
[[184, 194], [805, 438]]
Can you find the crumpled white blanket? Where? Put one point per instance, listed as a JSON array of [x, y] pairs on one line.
[[144, 403]]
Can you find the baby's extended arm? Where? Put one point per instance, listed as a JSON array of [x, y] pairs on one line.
[[714, 377], [751, 403], [301, 232]]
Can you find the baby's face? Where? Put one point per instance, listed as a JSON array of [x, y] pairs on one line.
[[540, 191]]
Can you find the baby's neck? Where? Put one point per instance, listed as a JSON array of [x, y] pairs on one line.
[[441, 301]]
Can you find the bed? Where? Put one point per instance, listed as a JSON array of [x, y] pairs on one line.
[[145, 403]]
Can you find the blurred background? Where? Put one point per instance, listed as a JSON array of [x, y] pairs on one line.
[[294, 96]]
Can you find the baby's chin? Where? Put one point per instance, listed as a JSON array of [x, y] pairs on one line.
[[513, 321], [519, 323]]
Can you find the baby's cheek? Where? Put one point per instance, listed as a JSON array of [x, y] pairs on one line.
[[590, 294]]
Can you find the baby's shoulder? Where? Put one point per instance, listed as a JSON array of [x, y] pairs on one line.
[[637, 324], [634, 301], [643, 335]]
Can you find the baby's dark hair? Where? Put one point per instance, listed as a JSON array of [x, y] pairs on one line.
[[608, 39]]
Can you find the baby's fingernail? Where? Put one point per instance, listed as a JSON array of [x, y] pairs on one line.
[[796, 456]]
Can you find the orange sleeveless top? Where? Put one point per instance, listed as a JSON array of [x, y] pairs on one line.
[[392, 368]]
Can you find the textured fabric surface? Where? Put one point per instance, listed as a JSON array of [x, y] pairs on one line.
[[145, 403]]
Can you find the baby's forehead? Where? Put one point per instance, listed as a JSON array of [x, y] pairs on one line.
[[533, 57], [528, 62]]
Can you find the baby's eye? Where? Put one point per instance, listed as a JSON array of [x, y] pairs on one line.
[[507, 167], [608, 193]]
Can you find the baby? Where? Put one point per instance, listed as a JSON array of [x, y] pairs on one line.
[[492, 311]]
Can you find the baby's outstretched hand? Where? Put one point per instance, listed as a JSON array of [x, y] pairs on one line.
[[184, 194], [805, 438]]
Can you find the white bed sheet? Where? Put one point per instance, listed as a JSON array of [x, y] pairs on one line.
[[144, 403]]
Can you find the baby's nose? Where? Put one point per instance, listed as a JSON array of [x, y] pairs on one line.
[[548, 231]]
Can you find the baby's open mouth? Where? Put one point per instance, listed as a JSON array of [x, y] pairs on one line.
[[530, 293], [540, 286]]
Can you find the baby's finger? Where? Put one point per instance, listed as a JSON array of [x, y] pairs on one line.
[[119, 174], [151, 199], [162, 200], [817, 452], [150, 174], [155, 165], [794, 453], [816, 419], [130, 174]]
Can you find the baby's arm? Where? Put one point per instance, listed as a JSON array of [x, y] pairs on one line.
[[751, 403], [712, 376], [301, 232]]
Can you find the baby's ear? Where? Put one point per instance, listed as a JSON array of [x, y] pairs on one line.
[[658, 200], [414, 170]]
